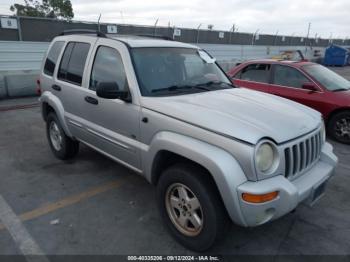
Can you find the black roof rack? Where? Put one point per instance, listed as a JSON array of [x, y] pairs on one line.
[[83, 31], [164, 37]]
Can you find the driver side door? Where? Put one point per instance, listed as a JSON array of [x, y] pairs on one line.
[[287, 82]]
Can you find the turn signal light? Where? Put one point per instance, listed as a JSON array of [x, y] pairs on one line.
[[251, 198]]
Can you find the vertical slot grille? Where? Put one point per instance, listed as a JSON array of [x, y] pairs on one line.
[[301, 155]]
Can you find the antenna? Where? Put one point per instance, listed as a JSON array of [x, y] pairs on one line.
[[98, 23]]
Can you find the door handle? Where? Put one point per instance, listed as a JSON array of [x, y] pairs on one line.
[[56, 87], [91, 100]]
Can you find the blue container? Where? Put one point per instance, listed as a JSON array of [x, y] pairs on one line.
[[336, 56]]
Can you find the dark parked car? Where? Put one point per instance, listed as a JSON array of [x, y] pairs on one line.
[[307, 83]]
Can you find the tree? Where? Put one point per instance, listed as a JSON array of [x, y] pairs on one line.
[[47, 8]]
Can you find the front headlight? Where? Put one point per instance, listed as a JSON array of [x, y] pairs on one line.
[[266, 158], [323, 132]]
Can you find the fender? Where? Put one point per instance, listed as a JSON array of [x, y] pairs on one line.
[[56, 104], [223, 167]]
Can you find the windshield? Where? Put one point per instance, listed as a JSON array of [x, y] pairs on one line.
[[173, 71], [329, 79]]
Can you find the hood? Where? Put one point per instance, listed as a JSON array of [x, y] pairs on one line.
[[239, 113]]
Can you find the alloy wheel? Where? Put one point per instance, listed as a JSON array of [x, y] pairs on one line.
[[184, 209], [55, 136]]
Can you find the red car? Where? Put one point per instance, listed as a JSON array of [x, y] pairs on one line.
[[307, 83]]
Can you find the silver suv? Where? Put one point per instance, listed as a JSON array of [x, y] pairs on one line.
[[166, 110]]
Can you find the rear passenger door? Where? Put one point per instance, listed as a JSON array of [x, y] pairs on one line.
[[68, 84], [254, 76], [47, 78]]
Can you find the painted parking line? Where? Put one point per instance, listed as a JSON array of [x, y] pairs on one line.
[[17, 107], [68, 201], [25, 243]]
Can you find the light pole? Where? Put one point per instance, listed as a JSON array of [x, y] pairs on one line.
[[274, 40], [254, 35], [307, 37], [316, 40], [121, 15], [155, 27], [198, 32], [291, 38], [232, 31]]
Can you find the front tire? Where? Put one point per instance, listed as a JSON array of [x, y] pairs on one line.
[[339, 127], [61, 145], [191, 207]]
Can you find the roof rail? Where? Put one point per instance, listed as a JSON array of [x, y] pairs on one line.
[[83, 31], [164, 37]]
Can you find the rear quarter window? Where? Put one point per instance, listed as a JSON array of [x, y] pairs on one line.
[[73, 62], [52, 56]]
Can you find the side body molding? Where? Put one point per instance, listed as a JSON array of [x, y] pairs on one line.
[[56, 104], [224, 169]]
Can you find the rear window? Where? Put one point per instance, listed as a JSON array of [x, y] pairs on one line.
[[52, 57], [73, 62], [255, 72]]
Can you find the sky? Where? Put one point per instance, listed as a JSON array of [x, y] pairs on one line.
[[289, 17]]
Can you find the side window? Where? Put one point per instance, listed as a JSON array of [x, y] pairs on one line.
[[256, 73], [288, 76], [73, 62], [108, 67], [52, 57]]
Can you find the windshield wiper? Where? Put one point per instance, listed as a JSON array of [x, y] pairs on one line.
[[339, 89], [216, 83], [179, 88]]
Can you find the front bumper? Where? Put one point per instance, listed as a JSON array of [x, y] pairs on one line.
[[291, 192]]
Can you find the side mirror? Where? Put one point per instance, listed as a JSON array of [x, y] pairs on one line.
[[310, 86], [110, 90]]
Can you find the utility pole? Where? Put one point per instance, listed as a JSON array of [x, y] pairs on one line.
[[198, 32]]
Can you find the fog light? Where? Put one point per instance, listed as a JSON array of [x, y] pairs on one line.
[[251, 198]]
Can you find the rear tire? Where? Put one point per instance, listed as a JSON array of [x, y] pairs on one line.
[[61, 145], [191, 207], [339, 127]]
